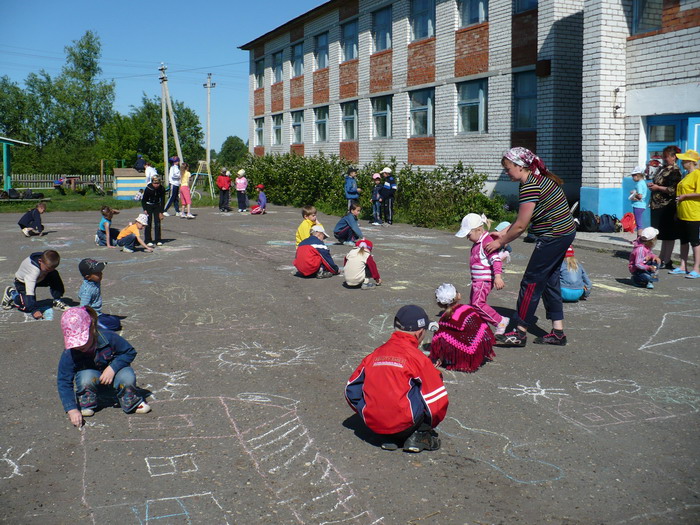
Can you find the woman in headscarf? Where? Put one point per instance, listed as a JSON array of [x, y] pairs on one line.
[[663, 204], [543, 206]]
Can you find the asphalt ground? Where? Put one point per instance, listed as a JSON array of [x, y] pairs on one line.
[[246, 366]]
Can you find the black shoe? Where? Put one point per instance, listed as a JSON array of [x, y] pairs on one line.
[[551, 339], [513, 338], [668, 265], [324, 274], [422, 440]]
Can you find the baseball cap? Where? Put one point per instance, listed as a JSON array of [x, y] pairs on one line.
[[260, 186], [470, 221], [75, 324], [318, 228], [411, 318], [569, 251], [648, 233], [364, 243], [445, 293], [352, 170], [90, 266], [502, 226], [376, 176], [386, 169], [638, 170]]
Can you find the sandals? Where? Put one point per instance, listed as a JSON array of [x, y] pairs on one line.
[[678, 271], [692, 275]]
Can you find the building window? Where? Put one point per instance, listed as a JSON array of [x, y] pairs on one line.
[[525, 5], [646, 15], [259, 73], [525, 90], [297, 60], [277, 66], [472, 106], [321, 124], [348, 40], [321, 51], [422, 122], [422, 19], [277, 129], [349, 110], [381, 117], [473, 12], [259, 131], [381, 29], [297, 127]]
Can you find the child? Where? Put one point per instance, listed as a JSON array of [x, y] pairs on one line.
[[37, 270], [376, 200], [152, 204], [638, 196], [309, 214], [223, 182], [463, 340], [30, 223], [185, 196], [106, 235], [130, 235], [93, 356], [352, 192], [174, 177], [347, 230], [359, 266], [485, 269], [138, 195], [241, 187], [397, 391], [313, 256], [387, 195], [643, 273], [90, 293], [575, 283], [260, 209]]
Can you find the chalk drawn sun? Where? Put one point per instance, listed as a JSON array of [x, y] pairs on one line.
[[250, 357], [534, 391]]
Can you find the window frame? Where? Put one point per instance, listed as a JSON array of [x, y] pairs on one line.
[[429, 109], [277, 129], [481, 102], [277, 67], [318, 49], [384, 29], [520, 6], [259, 76], [426, 13], [297, 60], [353, 119], [354, 42], [637, 15], [467, 7], [386, 113], [519, 98], [323, 122], [297, 127], [259, 131]]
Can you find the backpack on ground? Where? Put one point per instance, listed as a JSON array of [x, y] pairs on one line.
[[587, 222], [628, 222], [13, 194], [607, 223], [27, 194]]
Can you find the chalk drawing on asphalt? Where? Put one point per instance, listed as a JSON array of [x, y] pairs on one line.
[[534, 391], [592, 416], [170, 422], [163, 384], [674, 395], [500, 453], [11, 465], [665, 341], [181, 509], [608, 387], [249, 357], [170, 465]]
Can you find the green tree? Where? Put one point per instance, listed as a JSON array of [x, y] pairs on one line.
[[233, 152], [13, 108]]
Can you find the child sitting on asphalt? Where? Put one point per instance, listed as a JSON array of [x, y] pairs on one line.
[[347, 230], [130, 235], [463, 340], [397, 391], [30, 222], [642, 262], [94, 356], [313, 258], [485, 268], [90, 293], [359, 267], [260, 209], [309, 214], [37, 270], [106, 235], [575, 283]]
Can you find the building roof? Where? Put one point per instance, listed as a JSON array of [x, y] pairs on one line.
[[5, 140], [316, 11]]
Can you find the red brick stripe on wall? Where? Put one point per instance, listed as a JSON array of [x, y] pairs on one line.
[[350, 151], [297, 149], [380, 71], [524, 48], [673, 19], [259, 151], [321, 90], [472, 50], [296, 92], [277, 92], [259, 101], [348, 79], [421, 62], [421, 151]]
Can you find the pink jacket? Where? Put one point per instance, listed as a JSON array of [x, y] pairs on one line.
[[241, 183], [639, 257], [483, 266]]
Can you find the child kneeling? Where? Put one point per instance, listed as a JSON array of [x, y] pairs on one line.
[[359, 266], [93, 356]]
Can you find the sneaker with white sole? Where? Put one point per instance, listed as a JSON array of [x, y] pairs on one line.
[[501, 327], [58, 303], [422, 440], [97, 240], [367, 286], [149, 244], [166, 214], [189, 216], [87, 412], [26, 232], [513, 338], [7, 298], [127, 250], [551, 339], [159, 243], [143, 408]]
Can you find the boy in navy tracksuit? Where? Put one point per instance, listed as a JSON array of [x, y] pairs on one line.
[[347, 230], [352, 192], [387, 195]]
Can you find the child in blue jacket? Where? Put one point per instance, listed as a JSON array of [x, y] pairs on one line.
[[347, 230], [352, 192], [30, 223], [575, 283]]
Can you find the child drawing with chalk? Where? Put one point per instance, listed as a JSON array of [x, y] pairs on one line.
[[642, 262], [92, 357], [30, 222], [360, 266], [575, 283], [106, 235], [485, 268]]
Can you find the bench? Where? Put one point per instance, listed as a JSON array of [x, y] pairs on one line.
[[47, 199]]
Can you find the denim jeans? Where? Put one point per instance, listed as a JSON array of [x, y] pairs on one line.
[[642, 278], [174, 199], [102, 237], [127, 242], [87, 382], [377, 211]]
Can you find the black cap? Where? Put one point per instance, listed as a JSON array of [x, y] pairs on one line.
[[411, 318], [90, 267], [352, 170]]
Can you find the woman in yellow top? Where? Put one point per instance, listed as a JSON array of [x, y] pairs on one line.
[[185, 197], [688, 198]]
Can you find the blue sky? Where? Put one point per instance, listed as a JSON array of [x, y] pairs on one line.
[[192, 38]]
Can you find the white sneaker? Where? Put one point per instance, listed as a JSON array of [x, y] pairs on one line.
[[149, 244], [97, 240], [501, 327], [7, 298], [166, 214], [190, 216], [127, 250], [143, 408], [60, 305], [26, 231], [376, 224], [159, 244], [87, 412]]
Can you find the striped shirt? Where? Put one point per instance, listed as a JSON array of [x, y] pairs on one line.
[[551, 216]]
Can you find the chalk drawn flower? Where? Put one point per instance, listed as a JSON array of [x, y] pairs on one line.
[[608, 387], [534, 391], [250, 357]]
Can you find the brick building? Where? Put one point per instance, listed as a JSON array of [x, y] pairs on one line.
[[586, 83]]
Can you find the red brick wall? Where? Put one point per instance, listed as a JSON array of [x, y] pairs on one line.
[[348, 8], [259, 101], [380, 71], [472, 50], [524, 47], [350, 151], [348, 79], [296, 92], [421, 62], [277, 92], [297, 149], [526, 139], [673, 19], [321, 90], [296, 33], [259, 151], [421, 150]]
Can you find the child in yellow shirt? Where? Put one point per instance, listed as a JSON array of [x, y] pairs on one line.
[[309, 213], [130, 235]]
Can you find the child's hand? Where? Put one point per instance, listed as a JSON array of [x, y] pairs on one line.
[[107, 376], [378, 281], [75, 417], [38, 315], [149, 249], [498, 282]]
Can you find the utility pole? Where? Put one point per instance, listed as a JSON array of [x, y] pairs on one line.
[[209, 87], [164, 119]]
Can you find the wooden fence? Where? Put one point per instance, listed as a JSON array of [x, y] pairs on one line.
[[44, 181]]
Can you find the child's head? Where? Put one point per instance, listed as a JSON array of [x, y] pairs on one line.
[[377, 178], [364, 245], [648, 236], [386, 171], [79, 327], [569, 257], [49, 260], [446, 295], [352, 172], [309, 212], [41, 207], [91, 270], [319, 232], [108, 212], [473, 226], [637, 173], [355, 208], [141, 221], [241, 173], [260, 187]]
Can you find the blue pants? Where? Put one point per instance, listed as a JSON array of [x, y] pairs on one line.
[[109, 322], [345, 235], [571, 295], [127, 242], [174, 198], [52, 281], [377, 211], [642, 278], [102, 237], [87, 381]]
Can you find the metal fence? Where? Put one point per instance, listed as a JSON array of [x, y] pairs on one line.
[[44, 181]]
